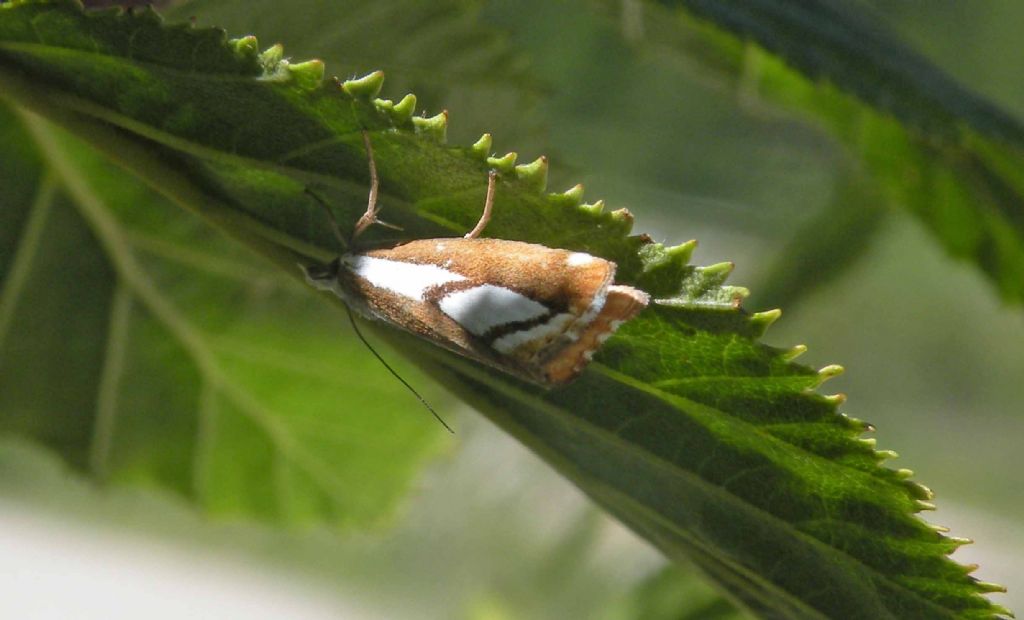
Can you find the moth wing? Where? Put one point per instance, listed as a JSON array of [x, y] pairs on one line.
[[556, 277], [532, 310]]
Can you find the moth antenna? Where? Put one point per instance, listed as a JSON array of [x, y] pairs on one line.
[[330, 218], [485, 217], [355, 326], [370, 217]]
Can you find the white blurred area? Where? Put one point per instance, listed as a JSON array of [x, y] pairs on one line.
[[491, 527], [51, 567], [493, 523], [54, 567], [998, 548]]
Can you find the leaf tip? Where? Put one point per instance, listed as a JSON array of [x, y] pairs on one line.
[[763, 320], [738, 293], [922, 505], [271, 57], [790, 354], [504, 165], [366, 87], [829, 372], [988, 587], [682, 252], [308, 75], [594, 208], [482, 147], [534, 173], [905, 474], [400, 113], [838, 399], [854, 424], [885, 455], [574, 195], [624, 218], [246, 47], [435, 127], [918, 490], [718, 272]]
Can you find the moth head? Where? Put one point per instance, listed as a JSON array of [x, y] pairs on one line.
[[323, 276]]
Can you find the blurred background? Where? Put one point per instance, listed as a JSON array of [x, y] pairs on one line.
[[934, 360]]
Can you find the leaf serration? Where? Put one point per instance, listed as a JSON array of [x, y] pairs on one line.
[[400, 113], [481, 149], [505, 164], [364, 88], [308, 75], [434, 127], [573, 196], [534, 174]]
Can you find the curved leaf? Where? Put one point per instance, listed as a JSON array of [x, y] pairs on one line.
[[160, 383], [929, 144], [706, 442]]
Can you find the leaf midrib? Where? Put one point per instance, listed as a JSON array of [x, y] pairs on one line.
[[672, 399], [745, 379], [188, 147], [110, 57], [24, 256], [110, 381], [653, 459], [118, 251], [571, 470]]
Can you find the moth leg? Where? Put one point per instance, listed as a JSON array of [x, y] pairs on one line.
[[485, 217], [370, 217]]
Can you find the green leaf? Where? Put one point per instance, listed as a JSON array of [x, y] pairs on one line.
[[439, 50], [706, 442], [929, 144], [673, 593], [146, 349]]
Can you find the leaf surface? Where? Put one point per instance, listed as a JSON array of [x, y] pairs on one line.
[[146, 348], [926, 143], [708, 443]]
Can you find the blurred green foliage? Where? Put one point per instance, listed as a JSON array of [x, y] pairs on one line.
[[618, 110], [222, 384]]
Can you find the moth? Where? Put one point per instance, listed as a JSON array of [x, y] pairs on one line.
[[534, 312]]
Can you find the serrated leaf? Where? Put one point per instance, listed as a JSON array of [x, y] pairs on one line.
[[928, 144], [440, 50], [708, 443]]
